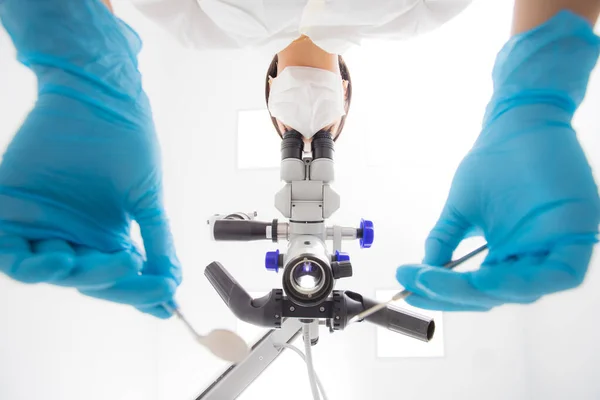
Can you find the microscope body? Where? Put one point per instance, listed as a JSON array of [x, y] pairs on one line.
[[309, 269]]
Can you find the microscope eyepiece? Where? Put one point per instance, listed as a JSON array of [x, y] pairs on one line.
[[322, 145], [292, 145]]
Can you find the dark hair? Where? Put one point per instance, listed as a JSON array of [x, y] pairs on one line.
[[272, 72]]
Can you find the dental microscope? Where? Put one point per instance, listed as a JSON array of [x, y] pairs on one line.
[[309, 268]]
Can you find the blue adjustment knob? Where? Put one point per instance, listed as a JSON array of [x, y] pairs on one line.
[[340, 256], [272, 261], [368, 234]]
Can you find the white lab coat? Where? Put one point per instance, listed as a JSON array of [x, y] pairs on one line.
[[334, 25]]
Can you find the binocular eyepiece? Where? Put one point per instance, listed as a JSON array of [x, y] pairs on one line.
[[292, 145]]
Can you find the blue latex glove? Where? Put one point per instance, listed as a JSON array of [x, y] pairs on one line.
[[526, 184], [85, 162]]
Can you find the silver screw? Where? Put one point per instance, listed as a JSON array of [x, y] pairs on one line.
[[322, 309], [292, 309], [261, 358], [276, 315], [337, 317]]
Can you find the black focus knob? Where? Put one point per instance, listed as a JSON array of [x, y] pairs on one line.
[[341, 269]]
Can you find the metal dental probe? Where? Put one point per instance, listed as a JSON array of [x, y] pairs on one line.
[[405, 293]]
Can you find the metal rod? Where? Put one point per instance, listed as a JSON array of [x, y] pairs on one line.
[[405, 293], [184, 320]]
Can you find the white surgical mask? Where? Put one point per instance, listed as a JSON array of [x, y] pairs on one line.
[[307, 99]]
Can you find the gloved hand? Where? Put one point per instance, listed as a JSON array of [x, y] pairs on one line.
[[85, 162], [526, 184]]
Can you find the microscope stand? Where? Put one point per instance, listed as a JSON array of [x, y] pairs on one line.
[[231, 383]]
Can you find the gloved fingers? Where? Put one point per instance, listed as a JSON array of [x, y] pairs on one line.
[[45, 268], [95, 270], [14, 244], [526, 278], [445, 237], [427, 304], [19, 262], [156, 311], [443, 286], [139, 291], [52, 246], [83, 250], [158, 242]]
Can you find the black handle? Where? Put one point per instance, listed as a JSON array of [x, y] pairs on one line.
[[240, 231], [402, 321], [264, 311], [397, 320]]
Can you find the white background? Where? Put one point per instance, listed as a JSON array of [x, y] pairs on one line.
[[417, 108]]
